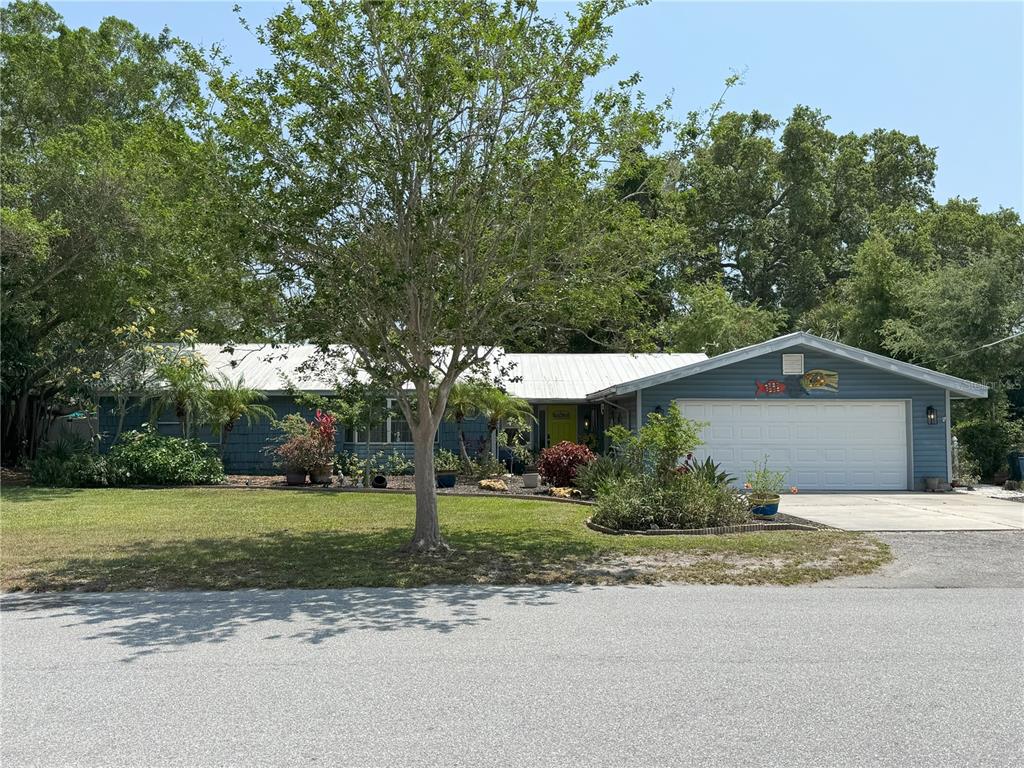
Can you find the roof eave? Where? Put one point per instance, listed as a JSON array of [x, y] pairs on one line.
[[955, 385]]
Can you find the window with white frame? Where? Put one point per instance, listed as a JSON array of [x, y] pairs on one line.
[[395, 429]]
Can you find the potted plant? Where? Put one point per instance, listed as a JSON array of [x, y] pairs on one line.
[[531, 477], [321, 432], [765, 486], [446, 468], [294, 455]]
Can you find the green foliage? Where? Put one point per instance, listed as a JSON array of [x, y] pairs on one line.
[[485, 466], [230, 401], [667, 438], [762, 481], [707, 470], [594, 479], [184, 389], [446, 461], [82, 470], [988, 443], [146, 458], [117, 209], [350, 465], [710, 320], [393, 463], [680, 501]]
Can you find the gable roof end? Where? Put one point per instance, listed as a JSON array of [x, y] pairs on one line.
[[955, 385]]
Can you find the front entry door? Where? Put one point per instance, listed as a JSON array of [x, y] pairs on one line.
[[561, 423]]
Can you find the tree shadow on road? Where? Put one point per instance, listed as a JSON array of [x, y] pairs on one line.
[[147, 623]]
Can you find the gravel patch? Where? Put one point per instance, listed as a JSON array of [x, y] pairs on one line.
[[992, 491]]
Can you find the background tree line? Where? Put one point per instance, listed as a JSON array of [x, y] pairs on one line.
[[132, 199]]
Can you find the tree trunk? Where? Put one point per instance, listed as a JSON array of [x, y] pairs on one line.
[[463, 453], [427, 536]]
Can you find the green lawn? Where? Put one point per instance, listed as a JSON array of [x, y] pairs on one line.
[[205, 538]]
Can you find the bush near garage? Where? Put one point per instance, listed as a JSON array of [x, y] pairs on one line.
[[989, 442], [678, 502]]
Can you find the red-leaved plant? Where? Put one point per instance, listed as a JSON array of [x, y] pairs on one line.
[[559, 463]]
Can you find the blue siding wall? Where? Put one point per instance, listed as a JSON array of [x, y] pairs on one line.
[[248, 448], [856, 382]]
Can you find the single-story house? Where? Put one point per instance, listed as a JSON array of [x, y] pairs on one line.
[[832, 416]]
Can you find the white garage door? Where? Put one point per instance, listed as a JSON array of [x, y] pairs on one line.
[[849, 445]]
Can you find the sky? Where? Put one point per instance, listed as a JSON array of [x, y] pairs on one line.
[[949, 72]]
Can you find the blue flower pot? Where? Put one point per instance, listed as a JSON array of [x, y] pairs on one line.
[[765, 508], [446, 479]]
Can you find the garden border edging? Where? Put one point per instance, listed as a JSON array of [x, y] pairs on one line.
[[741, 528]]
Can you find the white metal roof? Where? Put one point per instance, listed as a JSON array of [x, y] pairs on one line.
[[956, 386], [566, 376], [266, 367], [554, 377]]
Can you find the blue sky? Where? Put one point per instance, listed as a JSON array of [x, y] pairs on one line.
[[952, 73]]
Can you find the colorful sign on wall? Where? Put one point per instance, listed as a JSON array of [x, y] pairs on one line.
[[819, 380]]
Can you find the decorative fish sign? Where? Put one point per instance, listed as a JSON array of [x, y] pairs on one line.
[[827, 381], [770, 387]]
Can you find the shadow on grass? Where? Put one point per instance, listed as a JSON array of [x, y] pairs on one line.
[[148, 623], [310, 560], [23, 493]]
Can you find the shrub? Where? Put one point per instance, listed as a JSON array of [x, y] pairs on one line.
[[990, 441], [660, 444], [349, 464], [446, 461], [301, 453], [307, 445], [487, 465], [707, 470], [559, 464], [681, 501], [149, 458], [74, 470], [393, 463], [592, 478], [763, 481]]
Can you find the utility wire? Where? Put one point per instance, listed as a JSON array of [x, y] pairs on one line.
[[983, 346]]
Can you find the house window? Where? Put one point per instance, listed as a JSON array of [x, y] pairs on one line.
[[394, 430]]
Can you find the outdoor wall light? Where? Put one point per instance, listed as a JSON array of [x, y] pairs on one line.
[[657, 410], [931, 415], [586, 423]]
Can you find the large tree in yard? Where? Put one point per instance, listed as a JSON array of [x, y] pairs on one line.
[[118, 221], [432, 173]]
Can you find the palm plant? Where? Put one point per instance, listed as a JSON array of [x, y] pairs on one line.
[[499, 408], [232, 401], [186, 390], [464, 402]]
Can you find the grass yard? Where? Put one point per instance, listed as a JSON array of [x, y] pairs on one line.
[[206, 538]]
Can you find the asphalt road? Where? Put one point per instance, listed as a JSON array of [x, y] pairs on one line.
[[883, 670]]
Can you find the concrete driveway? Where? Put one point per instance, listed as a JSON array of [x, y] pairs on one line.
[[906, 511]]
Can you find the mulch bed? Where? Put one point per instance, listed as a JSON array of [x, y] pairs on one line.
[[464, 486], [766, 525]]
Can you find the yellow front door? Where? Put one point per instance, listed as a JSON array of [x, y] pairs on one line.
[[561, 424]]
